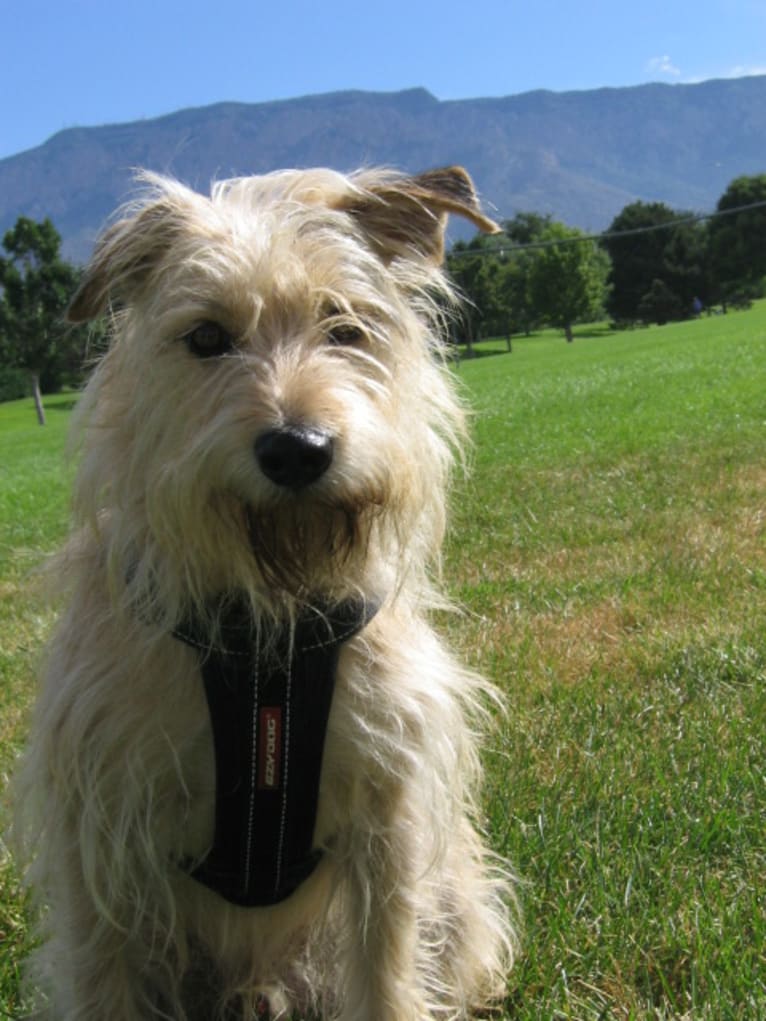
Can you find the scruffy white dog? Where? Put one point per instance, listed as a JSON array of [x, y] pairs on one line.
[[251, 782]]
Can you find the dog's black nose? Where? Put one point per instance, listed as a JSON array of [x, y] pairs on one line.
[[294, 455]]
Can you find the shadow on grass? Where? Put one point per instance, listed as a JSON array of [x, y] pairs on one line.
[[470, 356], [595, 331], [68, 405], [499, 346]]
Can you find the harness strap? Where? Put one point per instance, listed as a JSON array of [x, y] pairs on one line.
[[269, 715]]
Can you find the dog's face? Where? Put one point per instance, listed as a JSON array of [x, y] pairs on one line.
[[271, 414]]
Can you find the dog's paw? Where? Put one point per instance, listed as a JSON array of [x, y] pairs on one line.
[[406, 1009]]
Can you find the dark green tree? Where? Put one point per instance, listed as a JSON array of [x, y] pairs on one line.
[[514, 295], [568, 280], [638, 259], [473, 268], [36, 287], [493, 274], [526, 228], [660, 304], [737, 241], [523, 230], [684, 269]]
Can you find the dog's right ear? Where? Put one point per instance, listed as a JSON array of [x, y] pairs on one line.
[[124, 256], [406, 216]]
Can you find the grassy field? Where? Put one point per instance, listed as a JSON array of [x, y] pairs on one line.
[[610, 549]]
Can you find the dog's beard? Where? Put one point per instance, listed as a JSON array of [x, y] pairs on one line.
[[301, 551]]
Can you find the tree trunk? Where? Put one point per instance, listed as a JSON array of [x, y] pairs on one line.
[[469, 351], [568, 332], [38, 398]]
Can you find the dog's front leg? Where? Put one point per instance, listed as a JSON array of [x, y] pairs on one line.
[[93, 967], [87, 986], [383, 982]]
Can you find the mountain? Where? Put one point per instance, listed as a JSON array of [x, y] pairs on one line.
[[578, 155]]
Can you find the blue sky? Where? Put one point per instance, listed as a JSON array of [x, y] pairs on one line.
[[81, 62]]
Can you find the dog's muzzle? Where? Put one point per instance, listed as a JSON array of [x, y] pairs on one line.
[[294, 456]]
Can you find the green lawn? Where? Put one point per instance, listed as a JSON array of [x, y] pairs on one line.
[[610, 550], [33, 513]]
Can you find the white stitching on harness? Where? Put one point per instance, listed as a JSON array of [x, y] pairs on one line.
[[283, 819], [253, 768]]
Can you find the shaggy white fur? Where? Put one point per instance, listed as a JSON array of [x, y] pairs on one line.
[[300, 299]]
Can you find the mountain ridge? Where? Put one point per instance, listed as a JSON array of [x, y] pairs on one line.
[[579, 155]]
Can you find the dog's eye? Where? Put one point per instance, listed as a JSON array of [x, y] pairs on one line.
[[209, 340], [345, 334]]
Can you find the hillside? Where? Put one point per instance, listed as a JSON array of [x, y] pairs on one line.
[[579, 155]]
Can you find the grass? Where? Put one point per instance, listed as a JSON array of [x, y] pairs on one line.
[[610, 549], [33, 512]]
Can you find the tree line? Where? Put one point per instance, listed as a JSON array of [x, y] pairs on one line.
[[39, 350], [653, 264]]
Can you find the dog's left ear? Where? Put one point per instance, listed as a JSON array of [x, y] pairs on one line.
[[124, 257], [407, 216]]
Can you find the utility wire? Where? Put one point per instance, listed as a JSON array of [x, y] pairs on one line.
[[511, 247]]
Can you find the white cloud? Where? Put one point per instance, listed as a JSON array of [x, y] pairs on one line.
[[738, 71], [663, 65], [741, 71]]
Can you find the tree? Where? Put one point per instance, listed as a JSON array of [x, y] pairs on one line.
[[493, 274], [568, 281], [513, 294], [659, 304], [526, 228], [523, 230], [637, 259], [473, 271], [736, 240], [684, 269], [36, 287]]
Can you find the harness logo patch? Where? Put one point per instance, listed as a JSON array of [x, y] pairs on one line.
[[269, 748]]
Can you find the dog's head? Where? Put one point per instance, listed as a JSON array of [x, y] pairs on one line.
[[272, 414]]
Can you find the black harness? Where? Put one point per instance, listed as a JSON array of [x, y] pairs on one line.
[[268, 713]]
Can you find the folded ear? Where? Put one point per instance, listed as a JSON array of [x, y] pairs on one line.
[[407, 216], [124, 256]]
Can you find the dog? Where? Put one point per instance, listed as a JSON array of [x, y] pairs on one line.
[[251, 784]]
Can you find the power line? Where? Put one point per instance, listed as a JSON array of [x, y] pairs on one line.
[[512, 247]]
